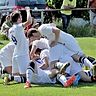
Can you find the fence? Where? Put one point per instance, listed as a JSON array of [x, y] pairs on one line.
[[9, 9]]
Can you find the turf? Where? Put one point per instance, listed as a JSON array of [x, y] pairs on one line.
[[84, 89], [14, 89], [88, 45]]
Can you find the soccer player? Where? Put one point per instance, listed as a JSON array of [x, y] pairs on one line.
[[64, 55], [46, 76], [6, 54], [42, 71], [6, 26], [55, 36], [21, 50]]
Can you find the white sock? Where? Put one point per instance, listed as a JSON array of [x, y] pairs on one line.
[[17, 79], [88, 63], [29, 74], [61, 78]]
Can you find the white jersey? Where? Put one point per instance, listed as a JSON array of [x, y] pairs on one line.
[[6, 54], [66, 39], [64, 55], [42, 77], [44, 53], [42, 44], [18, 37]]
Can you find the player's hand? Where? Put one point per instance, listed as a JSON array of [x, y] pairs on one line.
[[27, 8]]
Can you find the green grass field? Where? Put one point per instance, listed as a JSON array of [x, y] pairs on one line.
[[84, 89]]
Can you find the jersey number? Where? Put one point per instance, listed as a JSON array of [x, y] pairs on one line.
[[14, 40]]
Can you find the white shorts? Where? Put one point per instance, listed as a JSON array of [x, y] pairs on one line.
[[6, 54], [5, 62], [20, 64], [42, 77]]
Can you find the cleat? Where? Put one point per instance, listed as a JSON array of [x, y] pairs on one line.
[[94, 62], [75, 83], [0, 71], [64, 67], [94, 70], [27, 85], [6, 79], [70, 81]]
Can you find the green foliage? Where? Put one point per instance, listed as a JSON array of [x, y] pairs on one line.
[[81, 31], [3, 37], [3, 40], [81, 13]]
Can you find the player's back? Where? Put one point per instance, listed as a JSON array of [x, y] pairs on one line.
[[18, 37]]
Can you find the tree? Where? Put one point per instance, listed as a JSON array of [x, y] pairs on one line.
[[81, 13]]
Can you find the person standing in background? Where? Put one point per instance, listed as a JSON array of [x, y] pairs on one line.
[[92, 4], [6, 26], [66, 14]]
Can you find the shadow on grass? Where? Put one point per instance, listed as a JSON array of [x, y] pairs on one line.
[[84, 84], [47, 85], [81, 84], [58, 85]]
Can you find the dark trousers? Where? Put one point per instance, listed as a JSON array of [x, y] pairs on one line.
[[65, 21]]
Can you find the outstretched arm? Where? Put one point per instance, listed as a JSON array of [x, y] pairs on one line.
[[29, 18]]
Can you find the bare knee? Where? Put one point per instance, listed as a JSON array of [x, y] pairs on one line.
[[8, 69]]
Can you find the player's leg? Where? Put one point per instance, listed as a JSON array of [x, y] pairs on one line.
[[23, 62], [15, 73], [94, 72], [8, 78], [62, 66], [66, 83], [29, 74], [91, 59], [6, 64], [83, 60], [18, 78], [53, 73], [15, 70], [85, 77]]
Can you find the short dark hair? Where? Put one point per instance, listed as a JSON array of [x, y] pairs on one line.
[[31, 31], [15, 16]]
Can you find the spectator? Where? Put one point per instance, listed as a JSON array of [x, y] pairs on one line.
[[92, 4], [6, 26], [65, 14]]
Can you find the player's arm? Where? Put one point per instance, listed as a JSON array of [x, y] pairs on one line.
[[56, 31], [29, 18], [33, 50], [46, 64]]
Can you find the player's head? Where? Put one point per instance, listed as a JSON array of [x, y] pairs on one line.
[[33, 34], [16, 17]]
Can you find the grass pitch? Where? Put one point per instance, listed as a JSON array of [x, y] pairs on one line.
[[83, 89]]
